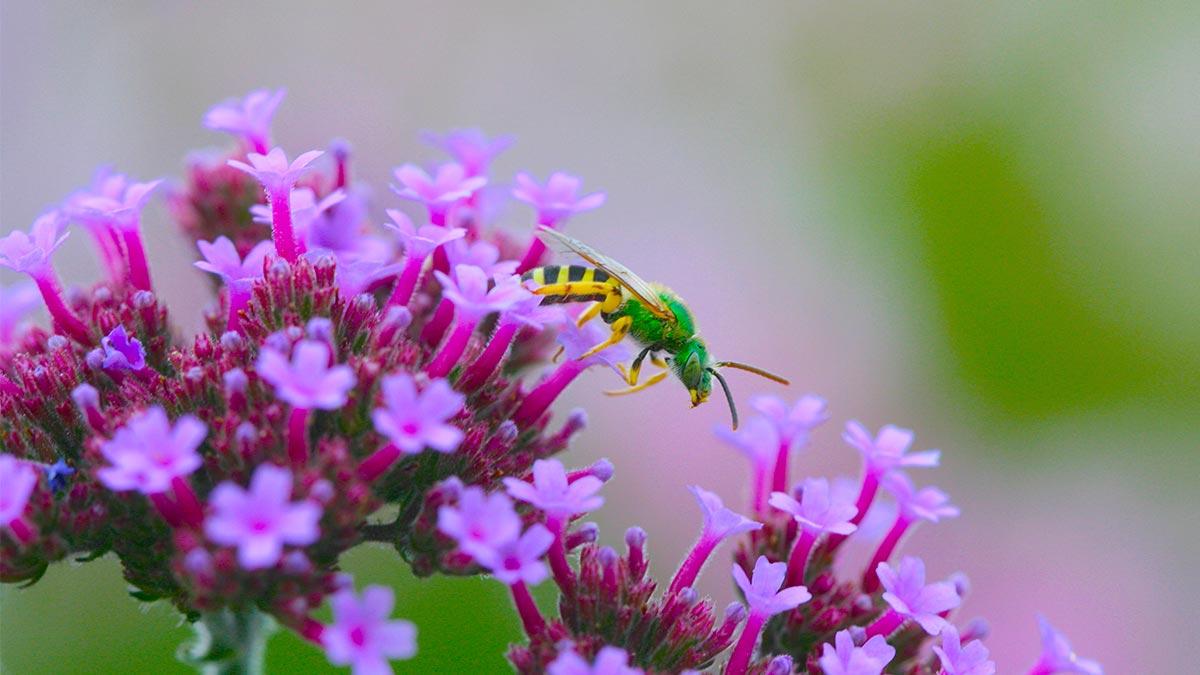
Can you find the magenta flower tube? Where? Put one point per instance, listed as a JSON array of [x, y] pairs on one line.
[[281, 222], [63, 317], [544, 394], [780, 477], [135, 252], [866, 495], [693, 563], [557, 555], [489, 360], [531, 617], [406, 283], [886, 624], [297, 437], [443, 362], [798, 560], [378, 462], [744, 649], [870, 582], [435, 329]]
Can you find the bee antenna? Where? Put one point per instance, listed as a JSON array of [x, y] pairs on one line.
[[754, 369], [728, 396]]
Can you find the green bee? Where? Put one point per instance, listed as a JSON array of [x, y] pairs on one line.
[[654, 316]]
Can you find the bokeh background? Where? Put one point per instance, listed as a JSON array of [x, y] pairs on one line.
[[981, 220]]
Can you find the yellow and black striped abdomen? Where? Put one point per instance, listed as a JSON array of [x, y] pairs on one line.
[[572, 283]]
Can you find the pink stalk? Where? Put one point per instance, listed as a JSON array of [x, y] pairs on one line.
[[190, 509], [343, 170], [239, 297], [135, 252], [870, 582], [166, 508], [433, 331], [281, 223], [780, 478], [487, 362], [63, 317], [441, 261], [866, 495], [744, 649], [563, 576], [110, 252], [407, 281], [798, 561], [693, 563], [378, 462], [443, 362], [531, 617], [297, 439], [22, 530], [886, 624], [533, 255], [759, 502], [544, 394]]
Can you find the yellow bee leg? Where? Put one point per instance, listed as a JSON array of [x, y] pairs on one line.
[[650, 382], [657, 360], [589, 314], [631, 376], [620, 328]]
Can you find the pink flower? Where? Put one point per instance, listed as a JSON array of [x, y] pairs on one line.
[[122, 352], [1057, 655], [909, 596], [720, 522], [609, 661], [448, 186], [261, 520], [887, 450], [470, 148], [480, 522], [792, 423], [16, 302], [249, 117], [148, 452], [928, 503], [551, 492], [757, 439], [307, 381], [481, 254], [30, 252], [221, 258], [762, 588], [577, 340], [817, 511], [473, 299], [558, 199], [18, 478], [518, 560], [118, 202], [845, 658], [414, 421], [419, 242], [959, 659], [273, 169], [362, 637]]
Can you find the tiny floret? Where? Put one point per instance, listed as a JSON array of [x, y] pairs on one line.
[[762, 589], [418, 242], [221, 258], [907, 594], [551, 492], [519, 560], [307, 381], [18, 478], [148, 452], [928, 503], [469, 290], [470, 148], [449, 185], [30, 252], [609, 661], [819, 510], [959, 659], [720, 522], [122, 351], [1058, 656], [414, 421], [261, 520], [362, 635], [273, 169], [843, 657], [248, 117], [887, 450], [792, 423], [558, 199], [757, 439], [480, 522]]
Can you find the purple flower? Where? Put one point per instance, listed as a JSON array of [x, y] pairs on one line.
[[259, 521], [357, 275], [148, 452], [449, 185], [361, 635], [576, 340], [481, 254], [306, 381], [757, 439], [844, 658], [818, 510], [720, 522], [909, 596], [480, 522], [18, 478], [470, 148], [959, 659], [418, 242], [762, 589], [248, 117], [558, 199], [1057, 655], [118, 201], [887, 450], [928, 503], [609, 661], [56, 476], [792, 423], [122, 352], [473, 299], [273, 169], [30, 252], [551, 492], [305, 206], [221, 258], [414, 421], [16, 302], [518, 560]]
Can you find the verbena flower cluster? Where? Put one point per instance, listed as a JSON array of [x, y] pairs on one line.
[[349, 371]]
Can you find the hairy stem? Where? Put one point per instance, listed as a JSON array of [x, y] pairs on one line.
[[229, 642]]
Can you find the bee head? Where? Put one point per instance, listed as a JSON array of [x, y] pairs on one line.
[[693, 366]]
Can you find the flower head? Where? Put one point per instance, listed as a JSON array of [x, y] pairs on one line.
[[928, 503], [307, 381], [959, 659], [273, 169], [577, 340], [845, 658], [469, 290], [221, 258], [18, 478], [115, 199], [907, 594], [558, 199], [248, 117], [30, 252], [819, 509], [470, 148], [792, 423], [480, 522], [414, 421], [122, 351], [720, 522], [449, 185], [16, 302], [148, 452], [418, 242], [1057, 655], [520, 559], [551, 492], [362, 636], [762, 589], [259, 521], [609, 661], [887, 450]]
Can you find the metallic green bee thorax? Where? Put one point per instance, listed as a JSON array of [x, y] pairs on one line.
[[650, 330]]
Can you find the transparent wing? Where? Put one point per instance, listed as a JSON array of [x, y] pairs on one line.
[[641, 290]]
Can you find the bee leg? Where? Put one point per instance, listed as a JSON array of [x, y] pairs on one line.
[[589, 314], [636, 367], [657, 360], [620, 328], [651, 381], [557, 355]]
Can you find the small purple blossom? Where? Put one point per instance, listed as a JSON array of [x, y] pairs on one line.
[[30, 252], [959, 659], [551, 492], [307, 381], [362, 636], [56, 476], [221, 258], [763, 588], [261, 520], [470, 148], [757, 439], [273, 169], [720, 522], [843, 657], [792, 423], [418, 242], [118, 202], [909, 596], [449, 185], [928, 503], [558, 199], [16, 302], [480, 522], [148, 452], [819, 510], [609, 661], [18, 478], [518, 560], [414, 421], [248, 117], [887, 450], [481, 254], [469, 290], [1058, 656], [576, 341], [122, 351]]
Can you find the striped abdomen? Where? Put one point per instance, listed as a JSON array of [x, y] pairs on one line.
[[574, 283]]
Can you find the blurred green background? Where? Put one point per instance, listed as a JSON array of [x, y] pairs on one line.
[[979, 220]]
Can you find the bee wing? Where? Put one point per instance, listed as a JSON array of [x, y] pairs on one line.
[[641, 290]]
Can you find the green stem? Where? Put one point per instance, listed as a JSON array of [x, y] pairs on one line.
[[229, 642]]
